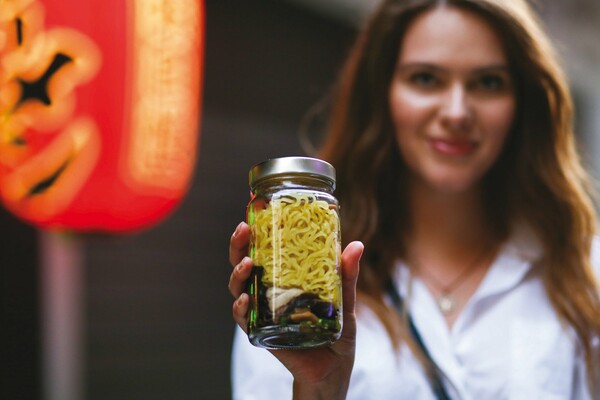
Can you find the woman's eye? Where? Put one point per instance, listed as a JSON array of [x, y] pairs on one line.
[[425, 79], [491, 83]]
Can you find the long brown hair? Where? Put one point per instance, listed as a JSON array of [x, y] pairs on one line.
[[538, 178]]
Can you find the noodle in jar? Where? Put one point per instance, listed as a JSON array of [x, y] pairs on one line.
[[296, 242]]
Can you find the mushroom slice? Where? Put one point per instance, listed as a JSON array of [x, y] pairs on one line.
[[278, 297]]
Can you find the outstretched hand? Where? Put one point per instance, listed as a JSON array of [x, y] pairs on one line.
[[322, 372]]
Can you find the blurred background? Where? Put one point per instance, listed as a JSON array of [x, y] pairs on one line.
[[147, 315]]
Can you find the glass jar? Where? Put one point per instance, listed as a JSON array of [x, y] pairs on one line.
[[295, 245]]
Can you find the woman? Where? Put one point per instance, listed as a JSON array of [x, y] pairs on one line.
[[457, 170]]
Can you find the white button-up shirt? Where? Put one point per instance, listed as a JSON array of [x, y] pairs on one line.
[[507, 343]]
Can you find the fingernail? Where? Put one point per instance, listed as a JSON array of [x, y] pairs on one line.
[[237, 229], [243, 264], [239, 300]]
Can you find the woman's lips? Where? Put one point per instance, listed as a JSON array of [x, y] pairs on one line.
[[453, 147]]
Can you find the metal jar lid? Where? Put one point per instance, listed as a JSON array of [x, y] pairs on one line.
[[306, 166]]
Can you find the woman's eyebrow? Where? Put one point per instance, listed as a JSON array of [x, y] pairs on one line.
[[494, 68], [419, 65]]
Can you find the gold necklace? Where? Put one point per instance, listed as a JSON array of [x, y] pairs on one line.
[[447, 302]]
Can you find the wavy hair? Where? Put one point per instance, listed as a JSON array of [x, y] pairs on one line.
[[538, 178]]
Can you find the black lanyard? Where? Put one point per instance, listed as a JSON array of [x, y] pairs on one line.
[[435, 379]]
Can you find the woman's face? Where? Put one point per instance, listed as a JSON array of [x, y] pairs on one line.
[[452, 99]]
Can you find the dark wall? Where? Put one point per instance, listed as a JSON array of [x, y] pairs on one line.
[[20, 320], [158, 311]]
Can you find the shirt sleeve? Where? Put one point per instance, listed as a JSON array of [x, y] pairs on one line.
[[256, 374], [581, 391], [595, 256]]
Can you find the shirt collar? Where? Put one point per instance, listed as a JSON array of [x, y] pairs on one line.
[[514, 260]]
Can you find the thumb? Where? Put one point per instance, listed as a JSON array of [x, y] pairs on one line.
[[350, 268]]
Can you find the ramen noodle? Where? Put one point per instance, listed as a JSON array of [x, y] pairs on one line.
[[296, 242]]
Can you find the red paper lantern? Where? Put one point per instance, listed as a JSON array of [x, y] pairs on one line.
[[99, 110]]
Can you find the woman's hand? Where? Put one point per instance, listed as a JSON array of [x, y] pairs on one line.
[[319, 373]]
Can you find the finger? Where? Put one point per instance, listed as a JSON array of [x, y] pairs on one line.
[[350, 268], [240, 310], [238, 244], [239, 275]]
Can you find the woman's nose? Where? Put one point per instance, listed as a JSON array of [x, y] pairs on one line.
[[456, 112]]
